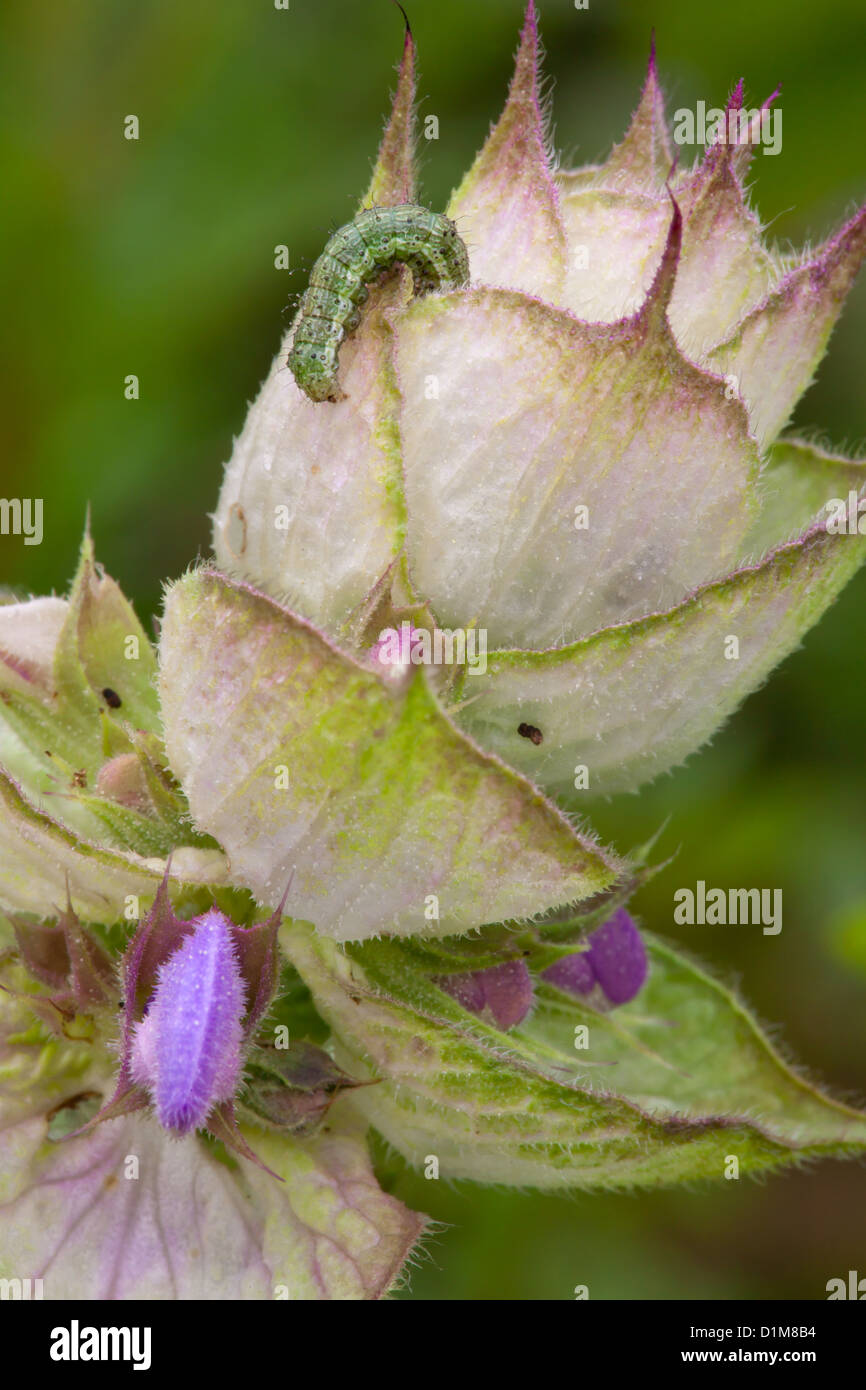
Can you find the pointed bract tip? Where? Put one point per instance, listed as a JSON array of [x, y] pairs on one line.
[[651, 65], [735, 100], [523, 89], [222, 1124], [405, 21], [848, 244], [528, 46], [393, 178]]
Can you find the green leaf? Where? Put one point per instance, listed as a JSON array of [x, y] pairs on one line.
[[103, 646], [299, 759], [689, 1046], [797, 482], [774, 349], [41, 860], [311, 507], [559, 493], [668, 1089], [80, 731], [635, 699]]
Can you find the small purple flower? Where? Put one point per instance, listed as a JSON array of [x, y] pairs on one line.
[[502, 994], [396, 650], [187, 1049], [615, 963]]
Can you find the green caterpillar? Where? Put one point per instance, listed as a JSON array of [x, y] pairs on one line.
[[378, 238]]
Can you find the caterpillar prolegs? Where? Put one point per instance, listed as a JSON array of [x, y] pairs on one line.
[[379, 238]]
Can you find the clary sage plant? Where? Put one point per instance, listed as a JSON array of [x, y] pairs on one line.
[[311, 866]]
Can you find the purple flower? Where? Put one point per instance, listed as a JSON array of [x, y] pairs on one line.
[[615, 963], [502, 994], [187, 1047]]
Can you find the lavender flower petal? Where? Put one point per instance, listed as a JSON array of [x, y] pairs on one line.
[[188, 1045]]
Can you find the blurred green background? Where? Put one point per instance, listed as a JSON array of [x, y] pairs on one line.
[[155, 257]]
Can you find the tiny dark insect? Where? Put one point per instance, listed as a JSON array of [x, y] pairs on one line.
[[111, 698], [529, 731], [378, 238]]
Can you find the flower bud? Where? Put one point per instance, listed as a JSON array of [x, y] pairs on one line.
[[187, 1048], [395, 650], [122, 779], [501, 995], [614, 964]]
